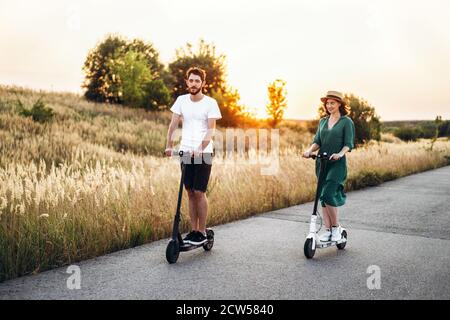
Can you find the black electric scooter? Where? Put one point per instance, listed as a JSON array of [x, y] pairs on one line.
[[312, 240], [176, 244]]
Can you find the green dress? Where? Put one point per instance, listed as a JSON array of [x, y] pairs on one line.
[[332, 141]]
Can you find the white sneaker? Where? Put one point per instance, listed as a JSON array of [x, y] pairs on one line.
[[336, 233], [325, 237]]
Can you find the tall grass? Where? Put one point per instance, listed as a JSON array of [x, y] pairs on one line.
[[51, 216]]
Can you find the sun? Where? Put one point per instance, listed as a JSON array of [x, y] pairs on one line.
[[261, 113], [258, 113]]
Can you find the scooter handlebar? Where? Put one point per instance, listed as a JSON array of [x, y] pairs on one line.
[[180, 153], [320, 156]]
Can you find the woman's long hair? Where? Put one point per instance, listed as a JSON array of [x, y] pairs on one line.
[[343, 108]]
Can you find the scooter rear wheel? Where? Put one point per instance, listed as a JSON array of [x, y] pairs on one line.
[[308, 250], [210, 236], [341, 246], [173, 251]]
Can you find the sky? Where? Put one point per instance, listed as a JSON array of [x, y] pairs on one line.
[[393, 53]]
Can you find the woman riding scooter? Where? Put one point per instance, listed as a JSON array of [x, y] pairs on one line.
[[335, 136]]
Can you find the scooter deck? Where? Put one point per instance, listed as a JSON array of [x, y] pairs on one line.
[[189, 246], [186, 246], [321, 245]]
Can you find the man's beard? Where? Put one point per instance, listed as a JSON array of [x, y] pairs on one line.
[[191, 91]]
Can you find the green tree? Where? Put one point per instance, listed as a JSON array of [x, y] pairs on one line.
[[101, 82], [277, 102], [98, 76], [135, 84], [130, 75], [149, 53]]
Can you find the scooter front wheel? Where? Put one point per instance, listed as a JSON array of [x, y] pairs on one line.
[[308, 249], [173, 251], [210, 236], [341, 246]]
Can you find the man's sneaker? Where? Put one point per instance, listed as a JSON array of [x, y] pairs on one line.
[[189, 236], [325, 237], [336, 233], [198, 238]]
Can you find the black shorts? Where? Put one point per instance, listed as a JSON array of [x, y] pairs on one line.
[[197, 172]]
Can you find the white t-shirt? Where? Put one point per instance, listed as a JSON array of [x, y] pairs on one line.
[[195, 120]]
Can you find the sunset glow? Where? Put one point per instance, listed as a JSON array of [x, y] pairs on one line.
[[397, 59]]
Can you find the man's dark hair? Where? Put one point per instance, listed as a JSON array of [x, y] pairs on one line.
[[197, 71]]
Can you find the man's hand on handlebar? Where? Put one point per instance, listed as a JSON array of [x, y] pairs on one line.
[[168, 152]]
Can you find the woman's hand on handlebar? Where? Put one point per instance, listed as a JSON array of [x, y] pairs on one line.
[[307, 154], [335, 157]]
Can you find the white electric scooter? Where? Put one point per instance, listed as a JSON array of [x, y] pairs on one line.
[[312, 240]]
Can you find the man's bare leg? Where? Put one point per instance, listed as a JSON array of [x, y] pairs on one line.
[[202, 210], [193, 210]]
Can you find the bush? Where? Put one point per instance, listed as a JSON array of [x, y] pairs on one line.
[[408, 133], [367, 123], [428, 130], [39, 112], [444, 129], [369, 179]]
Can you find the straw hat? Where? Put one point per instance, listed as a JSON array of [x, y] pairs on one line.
[[335, 95]]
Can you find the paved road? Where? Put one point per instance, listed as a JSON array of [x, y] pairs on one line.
[[402, 227]]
